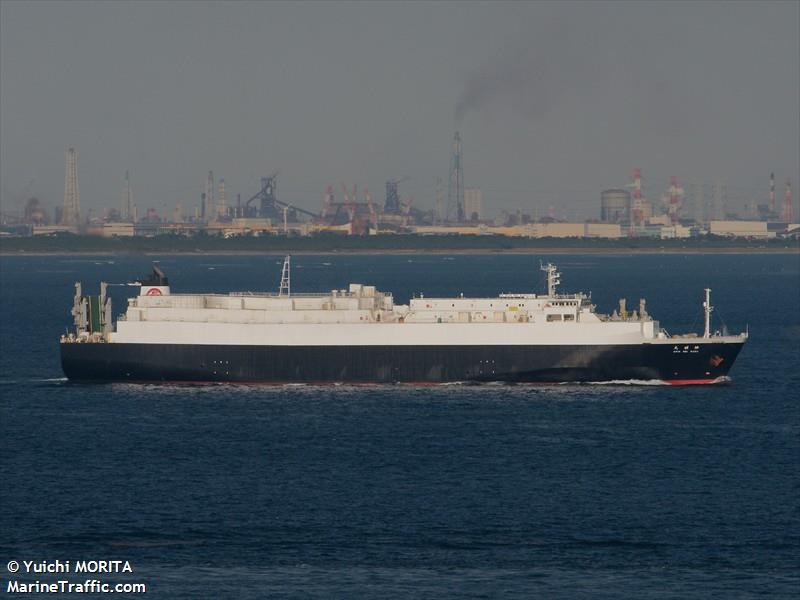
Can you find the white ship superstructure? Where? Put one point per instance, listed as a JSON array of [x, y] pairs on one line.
[[362, 315]]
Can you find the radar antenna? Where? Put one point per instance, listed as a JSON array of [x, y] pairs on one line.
[[286, 278], [553, 278]]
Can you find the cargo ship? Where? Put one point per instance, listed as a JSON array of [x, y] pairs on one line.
[[359, 335]]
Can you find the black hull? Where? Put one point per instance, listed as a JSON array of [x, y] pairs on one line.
[[701, 363]]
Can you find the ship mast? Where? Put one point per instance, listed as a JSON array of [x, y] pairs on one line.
[[286, 279], [707, 308], [553, 278]]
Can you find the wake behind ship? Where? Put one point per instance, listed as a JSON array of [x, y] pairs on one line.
[[359, 335]]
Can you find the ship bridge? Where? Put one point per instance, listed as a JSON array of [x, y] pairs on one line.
[[505, 308]]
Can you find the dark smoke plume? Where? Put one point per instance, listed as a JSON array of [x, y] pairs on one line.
[[525, 78], [580, 62]]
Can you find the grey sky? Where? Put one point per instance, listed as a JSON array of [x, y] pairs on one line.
[[555, 102]]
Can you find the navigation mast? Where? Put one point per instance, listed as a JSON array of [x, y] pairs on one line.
[[286, 279], [707, 308], [553, 278]]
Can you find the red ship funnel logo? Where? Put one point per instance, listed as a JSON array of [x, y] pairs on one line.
[[716, 361], [157, 292]]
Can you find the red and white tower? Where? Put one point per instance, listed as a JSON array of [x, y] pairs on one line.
[[327, 202], [675, 199]]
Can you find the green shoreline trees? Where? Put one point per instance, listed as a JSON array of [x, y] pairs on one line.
[[380, 243]]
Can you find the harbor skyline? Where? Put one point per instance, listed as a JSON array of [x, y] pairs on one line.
[[555, 102]]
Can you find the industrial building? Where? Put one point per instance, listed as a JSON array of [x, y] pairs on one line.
[[530, 230], [752, 229], [615, 206]]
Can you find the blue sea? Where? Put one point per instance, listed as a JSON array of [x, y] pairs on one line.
[[562, 491]]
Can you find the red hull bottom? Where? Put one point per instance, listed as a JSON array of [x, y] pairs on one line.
[[695, 381]]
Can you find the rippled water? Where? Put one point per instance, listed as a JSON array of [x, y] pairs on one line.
[[601, 491]]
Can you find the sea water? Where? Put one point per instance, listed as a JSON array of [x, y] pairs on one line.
[[565, 491]]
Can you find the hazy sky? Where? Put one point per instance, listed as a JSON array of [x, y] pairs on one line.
[[555, 102]]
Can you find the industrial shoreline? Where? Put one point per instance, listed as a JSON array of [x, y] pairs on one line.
[[443, 251], [385, 244], [626, 217]]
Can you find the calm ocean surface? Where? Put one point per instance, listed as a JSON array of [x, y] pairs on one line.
[[593, 491]]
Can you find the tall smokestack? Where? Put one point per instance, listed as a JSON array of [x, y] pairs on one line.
[[788, 207], [127, 199], [636, 204], [455, 187], [71, 214], [221, 210], [772, 209], [673, 198], [208, 203]]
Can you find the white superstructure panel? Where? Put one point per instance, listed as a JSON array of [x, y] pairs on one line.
[[382, 334]]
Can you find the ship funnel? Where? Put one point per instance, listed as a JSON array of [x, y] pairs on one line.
[[156, 284]]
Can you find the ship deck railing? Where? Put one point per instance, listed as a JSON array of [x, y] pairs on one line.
[[338, 294], [577, 296], [623, 319], [274, 295]]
